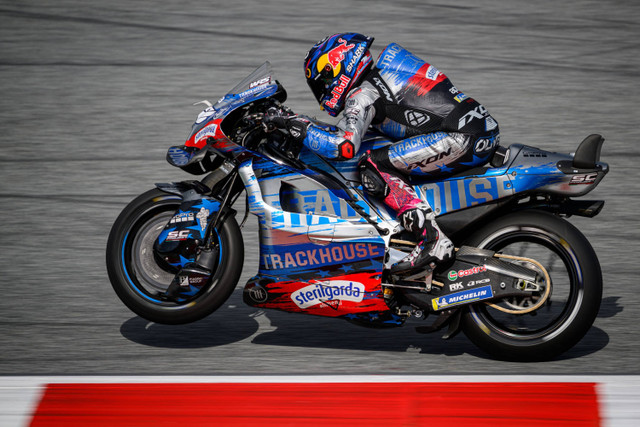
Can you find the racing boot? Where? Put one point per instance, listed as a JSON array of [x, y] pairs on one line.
[[433, 246]]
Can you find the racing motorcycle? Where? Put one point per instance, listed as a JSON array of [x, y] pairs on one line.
[[524, 285]]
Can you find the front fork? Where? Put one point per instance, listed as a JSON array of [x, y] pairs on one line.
[[189, 244]]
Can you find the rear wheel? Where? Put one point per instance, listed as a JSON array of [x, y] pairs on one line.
[[574, 301], [139, 280]]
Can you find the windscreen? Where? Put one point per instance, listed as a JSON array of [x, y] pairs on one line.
[[261, 76], [258, 84]]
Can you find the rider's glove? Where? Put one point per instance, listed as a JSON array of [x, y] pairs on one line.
[[297, 129], [283, 118], [280, 117], [275, 118]]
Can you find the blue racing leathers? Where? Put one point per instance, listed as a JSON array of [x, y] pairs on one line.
[[438, 129]]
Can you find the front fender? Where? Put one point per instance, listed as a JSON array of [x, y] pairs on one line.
[[188, 190]]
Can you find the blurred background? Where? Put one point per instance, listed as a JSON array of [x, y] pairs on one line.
[[93, 93]]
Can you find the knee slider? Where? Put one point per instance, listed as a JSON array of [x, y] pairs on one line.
[[372, 181]]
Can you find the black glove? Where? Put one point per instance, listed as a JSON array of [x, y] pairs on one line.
[[275, 118], [283, 118], [297, 129]]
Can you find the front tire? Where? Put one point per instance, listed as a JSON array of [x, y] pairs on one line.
[[576, 292], [137, 278]]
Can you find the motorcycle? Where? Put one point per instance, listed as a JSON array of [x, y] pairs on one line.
[[524, 285]]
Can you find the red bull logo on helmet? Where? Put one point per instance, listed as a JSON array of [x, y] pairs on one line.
[[335, 56], [337, 91]]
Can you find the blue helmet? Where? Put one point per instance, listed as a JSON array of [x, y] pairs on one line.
[[334, 65]]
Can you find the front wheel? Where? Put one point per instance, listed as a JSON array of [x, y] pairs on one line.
[[140, 281], [572, 306]]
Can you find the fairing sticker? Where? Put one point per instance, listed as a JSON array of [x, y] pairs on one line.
[[191, 221], [176, 244], [455, 194], [331, 293], [334, 297], [283, 258], [464, 297]]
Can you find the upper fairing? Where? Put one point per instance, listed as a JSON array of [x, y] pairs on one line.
[[260, 84]]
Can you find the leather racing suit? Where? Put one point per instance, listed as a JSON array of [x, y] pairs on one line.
[[438, 131]]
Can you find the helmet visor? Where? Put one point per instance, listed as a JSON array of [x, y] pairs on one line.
[[322, 82]]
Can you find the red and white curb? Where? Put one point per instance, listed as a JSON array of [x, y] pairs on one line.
[[320, 400]]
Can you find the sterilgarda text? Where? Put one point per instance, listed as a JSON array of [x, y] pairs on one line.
[[328, 291]]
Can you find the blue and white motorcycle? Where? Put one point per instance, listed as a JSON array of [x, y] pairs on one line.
[[525, 284]]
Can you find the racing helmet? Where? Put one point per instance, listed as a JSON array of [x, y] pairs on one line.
[[334, 65]]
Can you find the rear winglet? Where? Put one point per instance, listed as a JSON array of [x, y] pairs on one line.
[[588, 153]]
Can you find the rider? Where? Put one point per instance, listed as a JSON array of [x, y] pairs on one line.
[[437, 129]]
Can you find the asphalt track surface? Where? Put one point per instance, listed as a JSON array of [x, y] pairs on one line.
[[93, 93]]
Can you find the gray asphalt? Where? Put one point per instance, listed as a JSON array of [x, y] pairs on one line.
[[93, 93]]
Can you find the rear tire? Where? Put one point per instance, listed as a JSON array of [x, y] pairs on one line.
[[575, 295], [138, 279]]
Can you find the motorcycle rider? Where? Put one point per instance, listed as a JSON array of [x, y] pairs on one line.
[[437, 129]]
